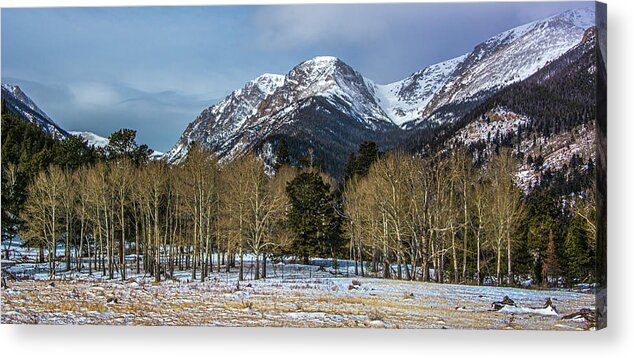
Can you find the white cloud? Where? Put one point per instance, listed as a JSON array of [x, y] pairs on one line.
[[89, 94]]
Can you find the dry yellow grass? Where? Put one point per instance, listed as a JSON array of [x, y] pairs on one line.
[[316, 303]]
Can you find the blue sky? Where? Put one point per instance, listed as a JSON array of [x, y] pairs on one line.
[[154, 69]]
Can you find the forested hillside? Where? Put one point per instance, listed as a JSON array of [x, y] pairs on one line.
[[29, 149]]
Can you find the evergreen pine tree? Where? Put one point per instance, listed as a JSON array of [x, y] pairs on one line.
[[351, 167], [72, 152], [368, 153], [123, 143], [313, 218], [576, 252], [281, 156]]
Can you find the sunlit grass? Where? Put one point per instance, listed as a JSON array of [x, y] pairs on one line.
[[310, 303]]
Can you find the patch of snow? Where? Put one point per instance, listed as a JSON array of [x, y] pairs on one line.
[[548, 311], [156, 155]]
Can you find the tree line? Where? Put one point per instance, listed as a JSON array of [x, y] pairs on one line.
[[442, 217]]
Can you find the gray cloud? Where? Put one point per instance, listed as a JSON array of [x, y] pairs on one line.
[[283, 27], [155, 68]]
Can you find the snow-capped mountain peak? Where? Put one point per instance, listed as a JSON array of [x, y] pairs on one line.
[[318, 75], [268, 82], [330, 78], [319, 65], [582, 18]]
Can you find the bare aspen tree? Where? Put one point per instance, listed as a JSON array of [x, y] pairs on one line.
[[151, 186], [44, 211], [480, 200], [415, 193], [68, 197], [427, 174], [199, 186], [586, 208], [235, 206], [81, 211], [505, 210], [121, 174], [36, 216], [260, 207], [463, 170], [99, 200], [353, 203]]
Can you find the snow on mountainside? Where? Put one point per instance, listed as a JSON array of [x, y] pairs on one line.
[[19, 103], [93, 139], [325, 89], [404, 100], [548, 120], [17, 93], [217, 123], [509, 57]]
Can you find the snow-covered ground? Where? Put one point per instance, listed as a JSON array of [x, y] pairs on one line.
[[299, 299]]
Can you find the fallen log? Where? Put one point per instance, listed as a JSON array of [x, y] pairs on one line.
[[6, 273], [506, 301], [583, 314], [547, 307], [507, 305]]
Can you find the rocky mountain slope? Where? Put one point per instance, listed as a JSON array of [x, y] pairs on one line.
[[509, 57], [549, 119], [19, 103]]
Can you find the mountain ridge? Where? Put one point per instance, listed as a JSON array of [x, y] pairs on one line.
[[549, 120], [19, 103]]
